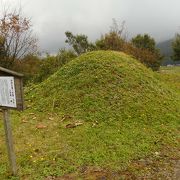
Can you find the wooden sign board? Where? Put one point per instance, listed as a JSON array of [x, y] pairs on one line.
[[7, 92], [11, 97], [11, 90]]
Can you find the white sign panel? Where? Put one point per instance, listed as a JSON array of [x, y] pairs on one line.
[[7, 92]]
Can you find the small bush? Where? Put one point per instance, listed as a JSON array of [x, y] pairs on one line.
[[148, 58], [51, 64]]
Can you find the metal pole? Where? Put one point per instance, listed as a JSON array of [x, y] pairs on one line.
[[9, 141]]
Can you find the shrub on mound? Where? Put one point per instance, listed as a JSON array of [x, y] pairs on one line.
[[106, 86]]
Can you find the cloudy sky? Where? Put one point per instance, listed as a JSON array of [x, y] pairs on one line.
[[51, 18]]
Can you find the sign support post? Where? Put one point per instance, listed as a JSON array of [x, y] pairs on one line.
[[11, 97], [9, 141]]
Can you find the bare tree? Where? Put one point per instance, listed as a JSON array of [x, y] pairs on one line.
[[16, 35], [119, 28]]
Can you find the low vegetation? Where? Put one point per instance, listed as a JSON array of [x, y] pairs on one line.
[[102, 110], [171, 75]]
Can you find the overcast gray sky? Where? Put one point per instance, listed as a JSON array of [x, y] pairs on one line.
[[51, 18]]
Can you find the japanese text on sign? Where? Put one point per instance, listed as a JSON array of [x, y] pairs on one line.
[[7, 92]]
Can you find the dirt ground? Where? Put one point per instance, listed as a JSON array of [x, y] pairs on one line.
[[164, 165]]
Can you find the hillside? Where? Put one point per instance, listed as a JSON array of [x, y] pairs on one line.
[[101, 111], [166, 47], [97, 81], [166, 50]]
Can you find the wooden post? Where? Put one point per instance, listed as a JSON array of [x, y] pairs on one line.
[[9, 141]]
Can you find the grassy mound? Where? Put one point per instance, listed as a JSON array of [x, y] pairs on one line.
[[105, 86], [123, 111]]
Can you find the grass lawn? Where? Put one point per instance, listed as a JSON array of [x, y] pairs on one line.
[[171, 75], [102, 111]]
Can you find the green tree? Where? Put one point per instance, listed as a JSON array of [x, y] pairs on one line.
[[114, 39], [144, 42], [64, 56], [176, 48], [150, 59], [29, 66], [79, 43], [50, 64], [110, 41]]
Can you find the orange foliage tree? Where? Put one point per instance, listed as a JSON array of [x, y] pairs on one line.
[[116, 40], [145, 56], [17, 39]]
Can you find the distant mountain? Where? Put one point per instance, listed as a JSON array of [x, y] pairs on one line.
[[166, 50], [166, 47]]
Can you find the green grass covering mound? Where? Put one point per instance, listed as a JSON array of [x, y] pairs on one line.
[[106, 86], [123, 111]]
